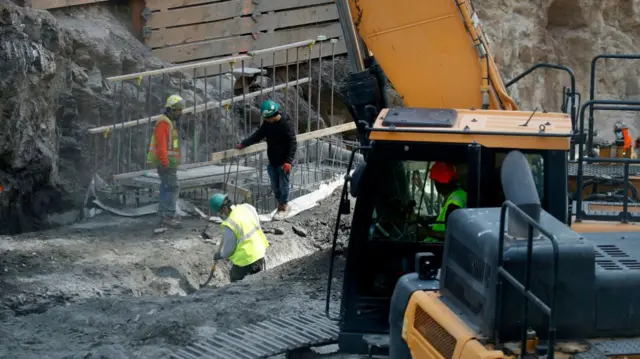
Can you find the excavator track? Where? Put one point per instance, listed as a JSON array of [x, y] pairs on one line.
[[265, 339]]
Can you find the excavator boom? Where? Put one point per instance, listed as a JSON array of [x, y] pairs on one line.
[[434, 52]]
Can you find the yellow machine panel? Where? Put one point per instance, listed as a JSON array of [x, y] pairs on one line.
[[490, 128], [432, 330], [432, 58]]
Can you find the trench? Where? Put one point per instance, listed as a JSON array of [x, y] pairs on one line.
[[116, 257]]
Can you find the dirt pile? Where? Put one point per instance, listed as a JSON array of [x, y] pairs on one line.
[[569, 33], [107, 285]]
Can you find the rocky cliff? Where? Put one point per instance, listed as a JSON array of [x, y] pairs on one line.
[[570, 33]]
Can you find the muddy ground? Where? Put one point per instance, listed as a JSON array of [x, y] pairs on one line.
[[107, 288]]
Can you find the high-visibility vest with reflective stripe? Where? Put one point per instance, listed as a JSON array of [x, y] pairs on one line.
[[251, 243], [173, 147], [457, 197]]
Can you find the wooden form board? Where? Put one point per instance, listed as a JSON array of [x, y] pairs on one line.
[[241, 25], [55, 4], [185, 31]]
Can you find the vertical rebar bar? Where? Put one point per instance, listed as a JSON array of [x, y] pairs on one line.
[[114, 128], [286, 79], [297, 112], [309, 112], [147, 139], [273, 80], [207, 149], [220, 121], [195, 120], [333, 76], [231, 109], [318, 152]]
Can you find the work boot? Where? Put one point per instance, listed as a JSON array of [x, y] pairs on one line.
[[170, 222]]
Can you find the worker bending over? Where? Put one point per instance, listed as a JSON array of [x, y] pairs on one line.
[[164, 154], [280, 133], [445, 177], [243, 242]]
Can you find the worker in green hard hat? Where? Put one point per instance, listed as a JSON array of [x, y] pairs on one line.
[[164, 154], [243, 241], [279, 131]]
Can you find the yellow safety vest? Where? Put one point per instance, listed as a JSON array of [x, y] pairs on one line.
[[251, 243], [457, 197], [173, 147]]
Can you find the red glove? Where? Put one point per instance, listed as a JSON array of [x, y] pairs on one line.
[[239, 146], [286, 167]]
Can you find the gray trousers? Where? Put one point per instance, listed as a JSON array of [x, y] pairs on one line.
[[169, 191]]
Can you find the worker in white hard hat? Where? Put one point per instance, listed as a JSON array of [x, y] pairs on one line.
[[164, 154], [243, 242]]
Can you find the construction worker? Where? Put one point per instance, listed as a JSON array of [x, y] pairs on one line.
[[164, 154], [445, 178], [279, 131], [243, 241]]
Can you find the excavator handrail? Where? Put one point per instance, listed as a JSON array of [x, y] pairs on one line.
[[524, 289], [592, 83], [555, 67], [610, 105], [594, 61]]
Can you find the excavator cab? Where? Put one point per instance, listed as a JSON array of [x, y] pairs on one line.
[[396, 200]]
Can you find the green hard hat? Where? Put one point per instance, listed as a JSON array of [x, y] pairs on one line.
[[216, 201], [269, 108]]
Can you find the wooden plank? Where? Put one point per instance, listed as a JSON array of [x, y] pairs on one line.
[[240, 44], [262, 146], [137, 7], [168, 4], [54, 4], [281, 58], [242, 26], [224, 10]]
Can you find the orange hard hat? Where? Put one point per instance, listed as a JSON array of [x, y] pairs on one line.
[[443, 172]]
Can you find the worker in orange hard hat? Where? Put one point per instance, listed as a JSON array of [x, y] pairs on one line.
[[445, 178]]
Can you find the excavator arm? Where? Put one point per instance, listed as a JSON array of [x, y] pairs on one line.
[[434, 52]]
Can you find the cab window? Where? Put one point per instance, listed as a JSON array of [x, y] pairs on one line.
[[406, 199]]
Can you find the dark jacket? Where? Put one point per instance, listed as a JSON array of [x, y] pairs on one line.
[[281, 140]]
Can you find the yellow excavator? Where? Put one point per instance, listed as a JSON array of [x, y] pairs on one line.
[[529, 267]]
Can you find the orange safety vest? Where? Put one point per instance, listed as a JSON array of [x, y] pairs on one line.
[[173, 147]]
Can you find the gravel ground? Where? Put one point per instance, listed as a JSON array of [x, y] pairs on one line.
[[108, 288]]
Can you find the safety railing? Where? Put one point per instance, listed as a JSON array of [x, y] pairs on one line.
[[592, 88], [618, 174], [222, 99], [525, 288]]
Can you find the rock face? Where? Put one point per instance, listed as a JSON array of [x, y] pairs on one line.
[[570, 33]]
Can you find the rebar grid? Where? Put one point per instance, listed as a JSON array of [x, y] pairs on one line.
[[222, 97]]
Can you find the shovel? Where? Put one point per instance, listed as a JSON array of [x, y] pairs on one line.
[[211, 275]]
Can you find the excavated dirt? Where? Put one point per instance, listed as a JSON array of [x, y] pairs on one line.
[[109, 287]]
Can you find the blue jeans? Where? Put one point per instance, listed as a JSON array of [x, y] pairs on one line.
[[169, 191], [279, 183]]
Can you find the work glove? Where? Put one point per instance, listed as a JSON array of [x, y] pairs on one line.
[[286, 167], [239, 146]]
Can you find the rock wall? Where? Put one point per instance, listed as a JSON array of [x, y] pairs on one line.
[[570, 33]]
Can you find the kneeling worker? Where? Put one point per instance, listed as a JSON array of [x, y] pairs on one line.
[[243, 241], [445, 177]]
